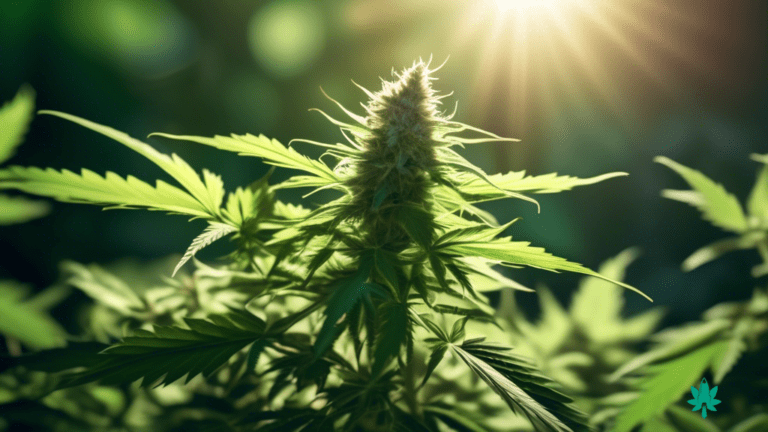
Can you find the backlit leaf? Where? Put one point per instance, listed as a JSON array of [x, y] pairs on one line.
[[213, 232], [15, 117], [669, 381], [208, 194], [718, 206]]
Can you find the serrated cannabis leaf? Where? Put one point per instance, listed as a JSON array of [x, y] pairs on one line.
[[521, 253], [418, 223], [208, 193], [213, 232], [519, 182], [716, 204], [110, 190], [169, 353], [438, 352], [346, 293], [453, 159], [669, 381], [391, 336], [515, 380], [338, 287], [15, 117], [271, 151]]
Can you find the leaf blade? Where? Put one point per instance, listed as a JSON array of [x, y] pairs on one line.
[[15, 117], [719, 207]]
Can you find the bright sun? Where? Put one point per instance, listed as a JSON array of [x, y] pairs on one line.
[[548, 48], [523, 5]]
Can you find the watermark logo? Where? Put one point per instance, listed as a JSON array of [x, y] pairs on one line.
[[704, 398]]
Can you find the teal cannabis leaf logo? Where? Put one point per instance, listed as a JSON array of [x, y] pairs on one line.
[[704, 398]]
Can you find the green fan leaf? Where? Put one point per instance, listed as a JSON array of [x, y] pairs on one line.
[[716, 204], [209, 193], [169, 353], [483, 278], [15, 117], [668, 382], [451, 201], [111, 190], [474, 233], [418, 223], [391, 336], [515, 380], [521, 253], [213, 232], [271, 151], [453, 159], [23, 321], [435, 358], [346, 293], [519, 182]]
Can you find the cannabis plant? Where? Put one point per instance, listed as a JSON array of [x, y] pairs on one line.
[[731, 340], [329, 318]]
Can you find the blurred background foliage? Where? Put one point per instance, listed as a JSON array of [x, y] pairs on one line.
[[588, 86]]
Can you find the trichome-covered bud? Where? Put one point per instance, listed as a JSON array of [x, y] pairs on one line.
[[398, 153]]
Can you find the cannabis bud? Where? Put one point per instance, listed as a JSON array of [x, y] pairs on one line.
[[401, 152], [398, 152]]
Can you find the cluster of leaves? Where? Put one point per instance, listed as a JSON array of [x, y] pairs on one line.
[[595, 354], [680, 356], [315, 323], [16, 305], [723, 210], [577, 348]]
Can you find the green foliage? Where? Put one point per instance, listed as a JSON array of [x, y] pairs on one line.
[[15, 117], [727, 334], [723, 210], [39, 330], [332, 318], [172, 352]]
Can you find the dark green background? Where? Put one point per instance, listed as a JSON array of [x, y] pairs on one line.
[[691, 86]]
